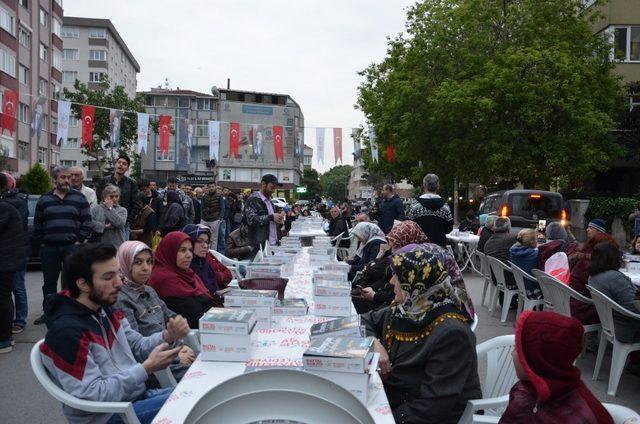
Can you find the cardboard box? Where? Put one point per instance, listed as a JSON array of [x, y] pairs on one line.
[[341, 327], [357, 384], [250, 298], [228, 321], [326, 287], [339, 354], [224, 347], [332, 306], [263, 314], [291, 307]]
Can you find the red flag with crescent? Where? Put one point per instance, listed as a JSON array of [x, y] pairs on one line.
[[88, 119], [277, 143], [164, 128], [234, 140], [337, 144], [9, 110], [391, 153]]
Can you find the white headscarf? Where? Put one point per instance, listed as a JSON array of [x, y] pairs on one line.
[[367, 231]]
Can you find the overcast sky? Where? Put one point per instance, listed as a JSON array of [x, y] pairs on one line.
[[309, 49]]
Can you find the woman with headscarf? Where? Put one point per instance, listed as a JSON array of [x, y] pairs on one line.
[[213, 274], [174, 217], [557, 241], [427, 349], [146, 313], [370, 237], [176, 283]]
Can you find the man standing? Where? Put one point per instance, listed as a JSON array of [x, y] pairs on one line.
[[128, 187], [212, 211], [62, 219], [77, 182], [260, 214], [431, 212], [391, 209], [91, 351]]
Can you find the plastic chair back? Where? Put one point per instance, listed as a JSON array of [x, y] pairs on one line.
[[484, 264], [622, 414], [519, 275], [605, 307], [474, 324], [501, 373], [499, 268], [557, 295]]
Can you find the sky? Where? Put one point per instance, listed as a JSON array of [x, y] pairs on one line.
[[309, 49]]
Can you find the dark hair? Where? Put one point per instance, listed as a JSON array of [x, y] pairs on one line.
[[143, 183], [171, 180], [471, 215], [125, 157], [4, 183], [387, 187], [79, 263], [211, 182], [605, 257]]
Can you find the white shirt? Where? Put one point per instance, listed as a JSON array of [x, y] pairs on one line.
[[90, 194]]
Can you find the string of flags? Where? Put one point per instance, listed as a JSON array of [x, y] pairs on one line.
[[258, 134]]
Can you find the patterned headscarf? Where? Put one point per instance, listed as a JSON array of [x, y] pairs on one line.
[[429, 297], [407, 232]]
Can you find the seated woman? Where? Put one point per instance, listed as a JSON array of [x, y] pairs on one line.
[[175, 282], [213, 274], [427, 349], [486, 232], [370, 237], [524, 255], [372, 289], [634, 249], [557, 241], [237, 245], [146, 313]]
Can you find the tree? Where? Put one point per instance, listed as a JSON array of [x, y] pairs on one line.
[[36, 180], [115, 99], [311, 180], [335, 182], [495, 89]]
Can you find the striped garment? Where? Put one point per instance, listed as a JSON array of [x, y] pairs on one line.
[[61, 222]]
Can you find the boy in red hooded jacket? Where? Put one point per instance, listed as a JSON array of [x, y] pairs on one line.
[[550, 389]]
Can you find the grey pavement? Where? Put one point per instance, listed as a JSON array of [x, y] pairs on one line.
[[23, 400]]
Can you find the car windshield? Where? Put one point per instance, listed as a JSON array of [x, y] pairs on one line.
[[490, 204], [535, 206]]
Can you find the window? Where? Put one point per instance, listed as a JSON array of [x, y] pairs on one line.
[[69, 76], [7, 63], [97, 55], [71, 54], [74, 122], [7, 21], [23, 150], [57, 59], [307, 160], [42, 87], [204, 104], [55, 158], [97, 76], [42, 156], [44, 52], [183, 102], [55, 90], [23, 75], [24, 37], [202, 128], [44, 17], [70, 32], [72, 143], [69, 163], [97, 33], [169, 156], [45, 122], [23, 3], [626, 43], [23, 113], [57, 27]]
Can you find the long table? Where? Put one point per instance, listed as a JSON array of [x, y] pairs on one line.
[[283, 344]]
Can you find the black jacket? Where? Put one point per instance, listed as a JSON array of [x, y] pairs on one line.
[[433, 215], [369, 253], [485, 235], [338, 226], [12, 239], [20, 201], [237, 245], [390, 210], [258, 219], [128, 192]]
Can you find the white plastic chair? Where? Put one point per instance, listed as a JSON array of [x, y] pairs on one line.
[[499, 268], [344, 252], [474, 324], [605, 307], [232, 264], [124, 409], [622, 414], [525, 303], [501, 376], [485, 270]]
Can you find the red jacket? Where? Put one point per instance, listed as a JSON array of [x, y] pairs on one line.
[[223, 274], [578, 279]]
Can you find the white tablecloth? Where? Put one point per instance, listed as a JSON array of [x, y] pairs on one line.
[[283, 344], [308, 233], [634, 276]]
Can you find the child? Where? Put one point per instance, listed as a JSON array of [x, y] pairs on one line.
[[550, 389]]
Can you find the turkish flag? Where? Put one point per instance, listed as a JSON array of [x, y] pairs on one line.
[[337, 144], [164, 128], [391, 153], [88, 119], [277, 143], [234, 140], [9, 110]]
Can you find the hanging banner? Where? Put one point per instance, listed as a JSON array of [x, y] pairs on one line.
[[374, 145], [320, 144], [143, 132], [299, 143], [214, 140], [88, 115], [37, 116], [190, 131], [64, 110], [256, 138], [182, 140], [234, 140], [391, 153], [337, 144], [115, 118], [10, 100], [278, 144], [357, 149], [164, 128]]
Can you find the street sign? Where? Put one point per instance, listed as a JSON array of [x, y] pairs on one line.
[[301, 190]]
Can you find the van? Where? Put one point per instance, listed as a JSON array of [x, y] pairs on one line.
[[526, 208]]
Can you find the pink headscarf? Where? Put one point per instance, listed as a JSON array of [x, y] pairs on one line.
[[11, 182], [127, 253]]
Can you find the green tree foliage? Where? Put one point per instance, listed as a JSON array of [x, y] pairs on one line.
[[36, 180], [484, 89], [116, 99], [335, 182], [311, 180]]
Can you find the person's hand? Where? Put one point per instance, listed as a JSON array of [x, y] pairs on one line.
[[160, 358], [367, 293], [384, 363], [278, 218], [108, 203], [186, 355], [177, 328], [108, 225]]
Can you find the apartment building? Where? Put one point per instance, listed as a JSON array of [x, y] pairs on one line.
[[307, 158], [30, 64], [93, 49], [359, 188]]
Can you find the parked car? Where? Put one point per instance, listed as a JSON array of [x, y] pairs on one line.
[[526, 208], [279, 202], [34, 252], [302, 202]]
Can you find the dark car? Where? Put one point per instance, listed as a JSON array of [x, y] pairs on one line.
[[34, 252], [526, 208]]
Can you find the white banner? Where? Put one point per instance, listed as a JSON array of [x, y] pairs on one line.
[[374, 145], [357, 149], [64, 110], [143, 132], [214, 140], [320, 144]]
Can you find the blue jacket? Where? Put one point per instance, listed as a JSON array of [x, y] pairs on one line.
[[524, 257], [390, 210]]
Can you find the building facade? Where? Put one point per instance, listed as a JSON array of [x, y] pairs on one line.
[[30, 65], [307, 159], [359, 188], [93, 49]]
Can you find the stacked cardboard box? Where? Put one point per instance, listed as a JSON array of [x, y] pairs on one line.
[[225, 334], [261, 302]]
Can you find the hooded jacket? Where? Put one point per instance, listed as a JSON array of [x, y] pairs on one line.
[[524, 257], [94, 355], [238, 245], [433, 215], [390, 210]]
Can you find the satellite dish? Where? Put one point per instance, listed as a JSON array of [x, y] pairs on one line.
[[215, 91]]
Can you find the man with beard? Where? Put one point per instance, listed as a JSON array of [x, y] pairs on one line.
[[90, 349], [62, 220]]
